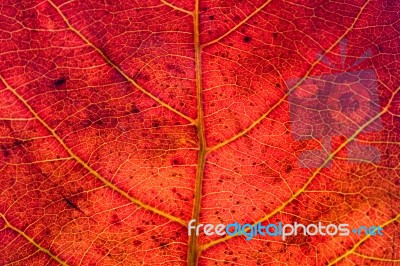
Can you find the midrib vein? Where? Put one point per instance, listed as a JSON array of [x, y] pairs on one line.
[[193, 248]]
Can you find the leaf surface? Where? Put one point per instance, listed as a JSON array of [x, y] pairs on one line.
[[120, 121]]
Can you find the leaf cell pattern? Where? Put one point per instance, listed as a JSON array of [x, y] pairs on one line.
[[120, 121]]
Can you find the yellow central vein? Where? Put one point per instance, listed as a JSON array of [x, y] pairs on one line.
[[237, 25], [256, 122], [315, 173], [87, 167], [352, 250], [193, 247], [133, 82], [32, 241]]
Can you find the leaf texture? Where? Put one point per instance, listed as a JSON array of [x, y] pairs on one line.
[[120, 121]]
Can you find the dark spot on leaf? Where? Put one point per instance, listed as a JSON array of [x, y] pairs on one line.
[[142, 77], [115, 219], [6, 153], [135, 110], [137, 242], [288, 169], [211, 17], [71, 204], [18, 143], [106, 122], [247, 39], [59, 82], [155, 124]]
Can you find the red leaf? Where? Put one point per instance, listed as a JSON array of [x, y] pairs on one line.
[[122, 121]]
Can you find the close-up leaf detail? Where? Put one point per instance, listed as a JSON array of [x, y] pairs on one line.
[[122, 121]]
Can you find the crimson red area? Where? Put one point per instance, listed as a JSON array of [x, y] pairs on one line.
[[121, 121]]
